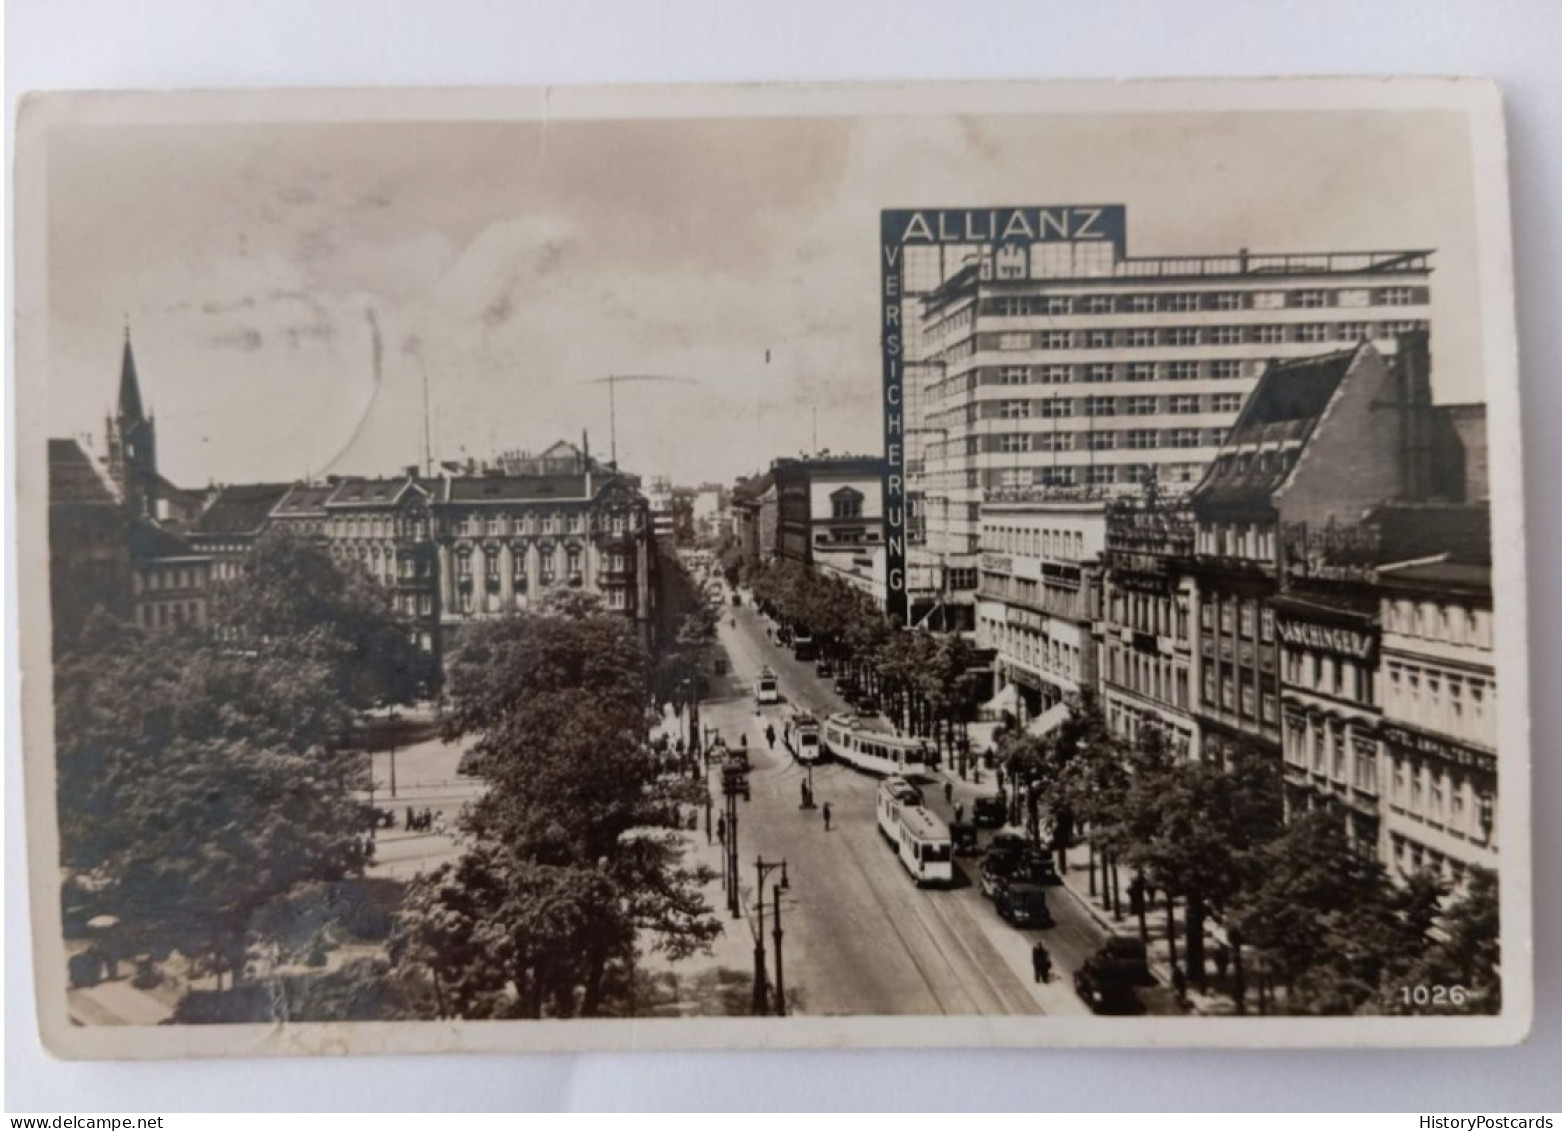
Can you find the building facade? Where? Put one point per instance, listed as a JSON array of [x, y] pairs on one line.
[[830, 504], [1038, 598], [1069, 365]]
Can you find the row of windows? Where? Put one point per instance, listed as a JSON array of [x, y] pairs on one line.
[[1226, 691], [1095, 475], [1035, 541], [1237, 616], [1326, 747], [160, 578], [468, 602], [1251, 541], [1031, 647], [1132, 439], [1049, 408], [1127, 722], [1270, 334], [1189, 301], [1461, 704], [1101, 373], [1444, 799], [1057, 600], [1430, 620], [1152, 676], [170, 614], [1149, 613]]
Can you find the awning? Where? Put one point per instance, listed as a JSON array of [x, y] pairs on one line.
[[1007, 700], [1049, 720]]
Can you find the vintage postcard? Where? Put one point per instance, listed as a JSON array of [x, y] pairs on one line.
[[825, 566]]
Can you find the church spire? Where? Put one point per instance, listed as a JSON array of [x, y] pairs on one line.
[[129, 386]]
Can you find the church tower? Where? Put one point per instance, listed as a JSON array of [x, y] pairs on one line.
[[132, 441]]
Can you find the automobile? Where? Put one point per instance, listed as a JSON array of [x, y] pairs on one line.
[[1110, 979], [823, 668], [997, 870], [1023, 905], [962, 837], [988, 812], [737, 758], [1024, 863]]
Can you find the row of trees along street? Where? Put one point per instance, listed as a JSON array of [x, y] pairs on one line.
[[207, 780], [922, 680], [1315, 924], [573, 855]]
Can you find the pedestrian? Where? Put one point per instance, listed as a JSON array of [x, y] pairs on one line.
[[959, 812], [826, 816], [721, 829], [804, 793], [428, 818], [1179, 984], [770, 735], [410, 819], [1222, 960], [1000, 779], [949, 793], [1041, 962]]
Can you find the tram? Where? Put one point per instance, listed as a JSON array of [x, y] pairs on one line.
[[924, 847], [766, 690], [866, 744], [801, 735], [895, 795]]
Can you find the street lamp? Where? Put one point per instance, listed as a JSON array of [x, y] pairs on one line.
[[763, 869]]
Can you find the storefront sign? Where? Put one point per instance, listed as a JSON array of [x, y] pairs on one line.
[[1327, 637], [1455, 753], [997, 563]]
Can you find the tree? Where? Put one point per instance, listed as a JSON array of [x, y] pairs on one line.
[[296, 602], [1459, 951], [571, 857]]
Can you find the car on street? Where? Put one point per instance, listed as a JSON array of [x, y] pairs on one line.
[[1110, 980], [1023, 905], [823, 668], [988, 812]]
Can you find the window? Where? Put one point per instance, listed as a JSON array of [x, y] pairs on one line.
[[1228, 301], [617, 598], [1055, 407], [1098, 374], [1102, 441], [464, 565], [1013, 410], [572, 561], [1055, 442], [1226, 402], [1014, 375], [1141, 371], [1226, 336], [1096, 339], [1100, 406], [1055, 374], [1050, 340], [545, 565], [1350, 331], [1059, 304], [1099, 304], [1100, 476], [1141, 304], [1182, 370], [1014, 442], [1012, 306], [1141, 438], [1311, 300], [1270, 335], [1139, 339], [1313, 332], [1245, 622], [1182, 302], [1266, 624], [1182, 336], [1397, 296], [1057, 476], [846, 503], [1184, 403], [1141, 406]]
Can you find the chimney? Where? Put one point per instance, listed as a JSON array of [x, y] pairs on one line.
[[412, 471], [1242, 262]]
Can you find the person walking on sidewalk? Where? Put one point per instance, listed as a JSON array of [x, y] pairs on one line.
[[770, 735], [949, 793], [826, 812], [1041, 962]]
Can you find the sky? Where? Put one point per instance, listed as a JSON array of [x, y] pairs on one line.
[[292, 289]]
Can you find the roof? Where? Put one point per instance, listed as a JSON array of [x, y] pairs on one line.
[[1438, 573], [1271, 430], [240, 509], [494, 488], [304, 498], [129, 385], [1459, 531], [356, 491], [149, 542], [922, 822], [74, 479]]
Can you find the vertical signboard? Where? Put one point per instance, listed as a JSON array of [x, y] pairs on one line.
[[1017, 231]]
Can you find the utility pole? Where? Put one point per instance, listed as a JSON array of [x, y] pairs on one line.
[[762, 868]]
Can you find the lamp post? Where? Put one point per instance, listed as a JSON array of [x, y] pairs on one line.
[[763, 869], [393, 751], [729, 789]]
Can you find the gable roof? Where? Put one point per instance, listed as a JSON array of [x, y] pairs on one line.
[[304, 499], [74, 480], [150, 542], [241, 509], [1271, 430]]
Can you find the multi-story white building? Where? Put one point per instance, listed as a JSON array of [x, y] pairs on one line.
[[1037, 597], [1078, 368]]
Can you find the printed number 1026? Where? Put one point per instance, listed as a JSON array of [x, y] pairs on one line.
[[1433, 995]]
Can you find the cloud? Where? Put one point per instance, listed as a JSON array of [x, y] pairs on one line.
[[247, 339]]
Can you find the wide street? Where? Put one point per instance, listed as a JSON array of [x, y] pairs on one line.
[[860, 937]]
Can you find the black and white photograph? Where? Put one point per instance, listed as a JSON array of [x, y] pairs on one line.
[[775, 566]]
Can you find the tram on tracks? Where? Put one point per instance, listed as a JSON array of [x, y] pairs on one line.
[[918, 837], [869, 744], [801, 735]]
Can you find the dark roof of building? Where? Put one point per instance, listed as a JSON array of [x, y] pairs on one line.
[[304, 498], [1277, 420], [1439, 573], [241, 508], [499, 488], [1461, 531], [360, 491], [149, 542], [751, 489], [73, 478]]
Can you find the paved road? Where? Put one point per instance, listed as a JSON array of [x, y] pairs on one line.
[[861, 938]]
